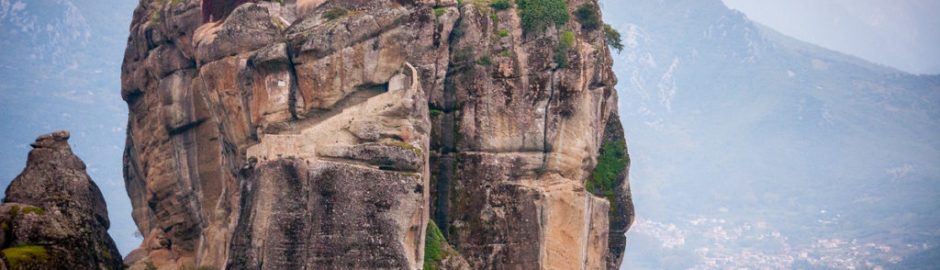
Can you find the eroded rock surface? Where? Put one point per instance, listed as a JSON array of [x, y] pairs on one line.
[[328, 135], [53, 215]]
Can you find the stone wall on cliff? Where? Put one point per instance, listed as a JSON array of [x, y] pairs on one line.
[[329, 134]]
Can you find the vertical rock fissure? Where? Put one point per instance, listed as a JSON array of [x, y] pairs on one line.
[[294, 92], [243, 223], [185, 183], [447, 150], [546, 145]]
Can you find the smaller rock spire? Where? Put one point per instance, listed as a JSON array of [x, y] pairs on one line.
[[53, 215]]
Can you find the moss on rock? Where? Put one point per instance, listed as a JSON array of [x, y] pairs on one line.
[[19, 256], [33, 210], [407, 146]]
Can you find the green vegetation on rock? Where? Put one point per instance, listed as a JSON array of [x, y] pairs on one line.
[[406, 146], [155, 15], [434, 246], [613, 38], [538, 15], [33, 210], [277, 22], [503, 33], [565, 43], [561, 58], [588, 16], [19, 255], [156, 11], [16, 210], [501, 5], [439, 11], [485, 61], [334, 13], [435, 112], [611, 163], [566, 40]]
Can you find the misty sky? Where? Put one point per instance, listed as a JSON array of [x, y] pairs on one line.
[[904, 34]]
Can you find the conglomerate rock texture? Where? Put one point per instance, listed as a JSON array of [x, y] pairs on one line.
[[318, 134], [53, 215]]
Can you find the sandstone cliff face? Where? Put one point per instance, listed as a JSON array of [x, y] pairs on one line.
[[329, 134], [53, 215]]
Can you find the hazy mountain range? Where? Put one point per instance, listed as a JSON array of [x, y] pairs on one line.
[[754, 149], [898, 33]]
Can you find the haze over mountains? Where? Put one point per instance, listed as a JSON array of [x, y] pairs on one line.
[[896, 33], [754, 149]]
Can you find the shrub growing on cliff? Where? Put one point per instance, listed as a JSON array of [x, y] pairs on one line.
[[501, 5], [610, 165], [565, 43], [485, 61], [613, 38], [588, 16], [537, 15], [561, 57]]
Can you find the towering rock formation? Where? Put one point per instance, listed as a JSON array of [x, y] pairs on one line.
[[53, 215], [329, 134]]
